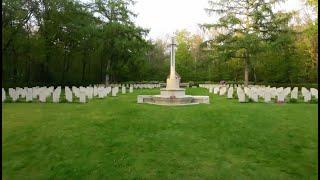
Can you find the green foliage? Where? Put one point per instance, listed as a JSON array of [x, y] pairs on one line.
[[68, 42], [262, 39], [64, 42], [293, 100]]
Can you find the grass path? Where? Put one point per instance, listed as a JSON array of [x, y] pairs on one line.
[[116, 138]]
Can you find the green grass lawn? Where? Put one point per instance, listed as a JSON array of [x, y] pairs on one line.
[[116, 138]]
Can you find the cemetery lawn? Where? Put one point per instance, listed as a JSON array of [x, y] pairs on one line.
[[116, 138]]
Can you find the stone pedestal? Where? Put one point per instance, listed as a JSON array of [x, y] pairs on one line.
[[178, 92], [173, 83]]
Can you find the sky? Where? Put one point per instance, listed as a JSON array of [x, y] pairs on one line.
[[164, 17]]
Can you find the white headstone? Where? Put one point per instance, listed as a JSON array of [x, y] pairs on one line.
[[89, 92], [131, 89], [68, 94], [304, 91], [254, 97], [216, 90], [230, 92], [13, 94], [210, 89], [35, 92], [24, 92], [123, 90], [114, 91], [223, 91], [287, 91], [267, 97], [29, 95], [314, 92], [56, 95], [3, 95], [307, 96], [294, 94], [95, 91], [82, 97], [241, 96], [43, 96], [281, 96], [101, 93], [76, 91]]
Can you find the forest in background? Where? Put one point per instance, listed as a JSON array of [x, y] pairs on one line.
[[68, 42]]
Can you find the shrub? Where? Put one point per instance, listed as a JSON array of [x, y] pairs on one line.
[[292, 100]]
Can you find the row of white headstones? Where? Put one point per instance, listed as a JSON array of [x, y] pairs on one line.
[[84, 94], [267, 93]]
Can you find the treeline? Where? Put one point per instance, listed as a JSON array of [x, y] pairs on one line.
[[252, 43], [69, 42]]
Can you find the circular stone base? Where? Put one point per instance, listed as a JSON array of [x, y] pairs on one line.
[[173, 101], [175, 92], [158, 99]]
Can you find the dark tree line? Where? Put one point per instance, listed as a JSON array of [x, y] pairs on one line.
[[69, 42]]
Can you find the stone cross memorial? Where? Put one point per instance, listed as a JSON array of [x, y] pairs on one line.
[[173, 94]]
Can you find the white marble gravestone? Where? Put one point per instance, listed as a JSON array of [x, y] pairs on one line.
[[223, 90], [267, 97], [210, 89], [13, 94], [123, 90], [280, 97], [241, 96], [131, 89], [95, 91], [254, 97], [314, 92], [68, 94], [56, 95], [114, 91], [230, 93], [104, 92], [287, 91], [216, 90], [35, 92], [29, 95], [76, 91], [24, 92], [100, 92], [11, 91], [307, 96], [294, 94], [82, 97], [89, 92], [304, 91], [43, 96], [3, 95]]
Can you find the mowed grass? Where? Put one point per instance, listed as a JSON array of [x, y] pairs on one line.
[[116, 138]]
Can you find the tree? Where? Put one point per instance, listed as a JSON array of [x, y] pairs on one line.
[[245, 25]]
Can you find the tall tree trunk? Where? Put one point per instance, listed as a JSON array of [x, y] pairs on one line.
[[246, 70], [64, 67], [254, 75], [101, 70], [83, 70], [108, 66]]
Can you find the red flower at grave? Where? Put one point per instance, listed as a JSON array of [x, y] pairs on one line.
[[172, 97]]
